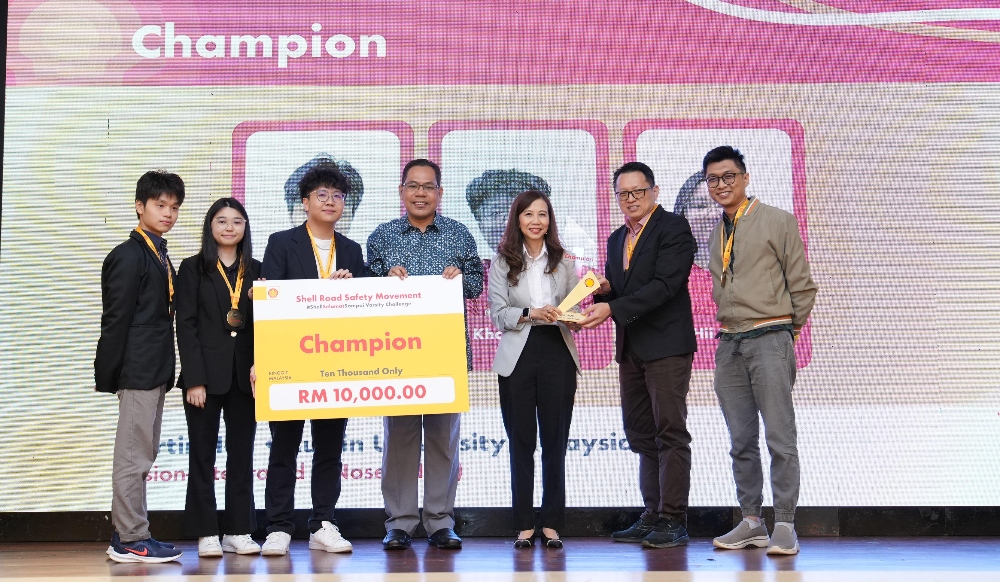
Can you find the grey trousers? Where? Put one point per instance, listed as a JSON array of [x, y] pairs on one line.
[[137, 440], [755, 376], [401, 468]]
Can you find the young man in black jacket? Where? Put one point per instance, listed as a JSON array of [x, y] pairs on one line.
[[135, 359], [310, 251]]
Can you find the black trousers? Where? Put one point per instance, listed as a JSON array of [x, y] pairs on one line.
[[279, 491], [542, 386], [654, 411], [200, 512]]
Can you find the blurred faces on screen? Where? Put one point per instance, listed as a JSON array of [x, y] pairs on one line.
[[491, 195], [701, 212]]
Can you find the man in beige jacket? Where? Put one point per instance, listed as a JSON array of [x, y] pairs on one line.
[[764, 294]]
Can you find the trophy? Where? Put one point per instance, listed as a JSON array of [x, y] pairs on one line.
[[587, 286]]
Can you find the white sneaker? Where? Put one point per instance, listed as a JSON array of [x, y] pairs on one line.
[[208, 547], [328, 538], [241, 544], [276, 544]]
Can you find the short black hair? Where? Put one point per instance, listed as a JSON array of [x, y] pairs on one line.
[[155, 183], [505, 183], [323, 175], [722, 153], [352, 199], [422, 162], [634, 167]]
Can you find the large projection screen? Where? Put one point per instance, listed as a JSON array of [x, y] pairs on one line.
[[876, 123]]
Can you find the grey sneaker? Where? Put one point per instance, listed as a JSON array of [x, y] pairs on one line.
[[783, 541], [743, 535]]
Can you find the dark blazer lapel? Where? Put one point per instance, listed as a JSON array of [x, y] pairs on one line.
[[221, 290], [155, 256], [647, 233], [341, 258], [304, 252], [616, 273]]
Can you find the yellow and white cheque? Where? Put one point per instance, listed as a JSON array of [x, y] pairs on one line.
[[359, 347]]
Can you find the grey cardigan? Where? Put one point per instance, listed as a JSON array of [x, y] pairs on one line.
[[507, 303]]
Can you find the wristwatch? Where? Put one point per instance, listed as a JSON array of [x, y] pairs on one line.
[[524, 313]]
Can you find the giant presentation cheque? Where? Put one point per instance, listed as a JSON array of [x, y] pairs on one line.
[[359, 347]]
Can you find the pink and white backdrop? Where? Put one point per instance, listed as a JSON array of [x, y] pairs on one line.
[[875, 123]]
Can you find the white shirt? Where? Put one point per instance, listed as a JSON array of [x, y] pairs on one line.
[[324, 251], [540, 284]]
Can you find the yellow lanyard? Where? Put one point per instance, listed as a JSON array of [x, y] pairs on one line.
[[630, 244], [166, 265], [234, 295], [727, 254], [324, 272]]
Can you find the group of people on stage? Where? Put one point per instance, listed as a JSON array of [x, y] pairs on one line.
[[761, 285]]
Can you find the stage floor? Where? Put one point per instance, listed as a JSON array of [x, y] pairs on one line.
[[495, 560]]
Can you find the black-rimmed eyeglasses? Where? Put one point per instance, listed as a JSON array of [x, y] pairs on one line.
[[729, 178], [635, 194]]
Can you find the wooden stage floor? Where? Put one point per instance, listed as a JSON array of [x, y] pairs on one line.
[[922, 559]]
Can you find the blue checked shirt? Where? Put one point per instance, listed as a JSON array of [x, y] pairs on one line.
[[445, 243]]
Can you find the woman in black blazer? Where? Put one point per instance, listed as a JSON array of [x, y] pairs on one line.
[[215, 340]]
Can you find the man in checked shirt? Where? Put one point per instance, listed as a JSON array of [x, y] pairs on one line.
[[423, 243]]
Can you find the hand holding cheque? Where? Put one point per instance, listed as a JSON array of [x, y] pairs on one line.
[[359, 347]]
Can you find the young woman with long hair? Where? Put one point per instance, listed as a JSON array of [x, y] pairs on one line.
[[536, 361], [215, 340]]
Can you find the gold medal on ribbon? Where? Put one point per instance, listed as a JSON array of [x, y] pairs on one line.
[[234, 317], [324, 272], [166, 265]]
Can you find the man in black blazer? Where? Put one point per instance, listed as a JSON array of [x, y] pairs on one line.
[[646, 292], [306, 252], [135, 359]]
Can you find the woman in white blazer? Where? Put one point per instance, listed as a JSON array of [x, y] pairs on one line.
[[536, 361]]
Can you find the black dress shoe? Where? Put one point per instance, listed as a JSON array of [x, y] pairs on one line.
[[525, 542], [396, 539], [551, 542], [445, 539]]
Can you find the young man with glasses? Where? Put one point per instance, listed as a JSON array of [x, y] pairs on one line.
[[310, 251], [423, 243], [764, 293], [646, 292]]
